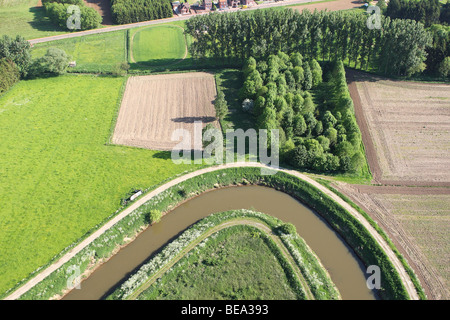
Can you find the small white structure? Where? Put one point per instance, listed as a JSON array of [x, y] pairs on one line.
[[137, 194], [72, 64]]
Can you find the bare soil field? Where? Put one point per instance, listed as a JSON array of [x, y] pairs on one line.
[[103, 7], [330, 6], [417, 219], [153, 107], [405, 128]]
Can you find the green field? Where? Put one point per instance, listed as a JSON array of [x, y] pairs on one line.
[[93, 53], [24, 18], [59, 176], [236, 263], [160, 45]]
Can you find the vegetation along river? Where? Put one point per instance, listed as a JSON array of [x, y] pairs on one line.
[[345, 269]]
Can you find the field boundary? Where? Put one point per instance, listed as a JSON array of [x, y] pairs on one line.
[[384, 246]]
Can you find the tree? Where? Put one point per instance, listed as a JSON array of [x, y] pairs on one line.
[[444, 67], [308, 78], [9, 74], [154, 216], [316, 72], [17, 50], [55, 61], [221, 105]]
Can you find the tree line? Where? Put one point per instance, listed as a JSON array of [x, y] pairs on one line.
[[125, 11], [397, 48], [325, 138], [57, 12], [426, 11]]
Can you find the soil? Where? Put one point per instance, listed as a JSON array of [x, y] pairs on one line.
[[405, 128], [331, 6], [103, 7], [153, 107], [414, 226]]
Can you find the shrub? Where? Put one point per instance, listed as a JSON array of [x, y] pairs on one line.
[[9, 74], [155, 216], [287, 228], [55, 62], [57, 12]]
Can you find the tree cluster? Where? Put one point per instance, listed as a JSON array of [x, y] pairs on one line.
[[57, 12], [18, 51], [319, 35], [426, 11], [439, 52], [326, 138], [125, 11]]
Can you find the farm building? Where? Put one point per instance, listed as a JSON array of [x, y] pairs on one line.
[[207, 4], [181, 8]]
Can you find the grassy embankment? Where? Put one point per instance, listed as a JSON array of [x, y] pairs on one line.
[[223, 269], [356, 236]]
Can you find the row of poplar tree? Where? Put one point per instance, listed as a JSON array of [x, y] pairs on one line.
[[397, 48]]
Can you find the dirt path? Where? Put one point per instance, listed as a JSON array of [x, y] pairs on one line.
[[239, 221], [395, 261]]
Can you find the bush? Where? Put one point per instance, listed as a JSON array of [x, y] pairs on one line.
[[55, 62], [287, 228], [9, 74], [154, 216]]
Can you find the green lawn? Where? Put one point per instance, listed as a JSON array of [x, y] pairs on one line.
[[93, 53], [234, 264], [59, 178], [159, 45], [24, 18]]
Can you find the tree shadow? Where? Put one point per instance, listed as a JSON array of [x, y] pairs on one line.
[[41, 22], [164, 65], [193, 119]]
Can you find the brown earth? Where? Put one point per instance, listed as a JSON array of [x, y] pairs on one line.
[[417, 221], [153, 107], [103, 7], [331, 6], [405, 128]]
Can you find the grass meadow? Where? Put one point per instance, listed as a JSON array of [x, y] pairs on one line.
[[59, 177], [23, 17], [93, 53], [160, 44]]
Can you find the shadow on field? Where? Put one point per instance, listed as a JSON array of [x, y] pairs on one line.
[[41, 22], [164, 65], [193, 119]]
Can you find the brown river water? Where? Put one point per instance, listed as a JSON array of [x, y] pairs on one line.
[[345, 269]]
